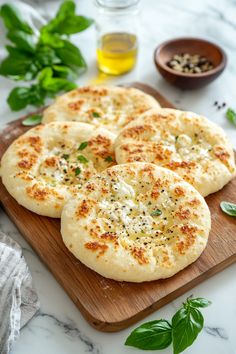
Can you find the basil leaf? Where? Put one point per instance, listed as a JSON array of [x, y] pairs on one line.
[[20, 97], [66, 22], [83, 145], [13, 20], [153, 335], [156, 212], [231, 115], [187, 323], [22, 40], [73, 24], [71, 56], [67, 8], [18, 67], [52, 40], [32, 120], [64, 72], [82, 159], [46, 56], [54, 85], [199, 302], [228, 208]]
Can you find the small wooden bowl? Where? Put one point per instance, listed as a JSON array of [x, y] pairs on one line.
[[165, 52]]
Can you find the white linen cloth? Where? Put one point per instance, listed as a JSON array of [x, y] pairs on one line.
[[18, 299]]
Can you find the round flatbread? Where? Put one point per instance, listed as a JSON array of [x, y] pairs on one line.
[[136, 222], [46, 166], [184, 142], [112, 107]]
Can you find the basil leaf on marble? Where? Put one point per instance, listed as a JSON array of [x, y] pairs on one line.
[[198, 302], [32, 120], [13, 19], [22, 40], [183, 330], [187, 323], [231, 116], [228, 208], [153, 335], [48, 57], [20, 97]]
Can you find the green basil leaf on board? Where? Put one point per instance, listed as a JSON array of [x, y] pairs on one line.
[[22, 40], [153, 335], [231, 116], [228, 208], [13, 19], [32, 120]]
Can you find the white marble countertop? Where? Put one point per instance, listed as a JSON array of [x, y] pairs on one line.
[[59, 327]]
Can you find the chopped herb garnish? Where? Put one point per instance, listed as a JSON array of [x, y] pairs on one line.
[[64, 170], [109, 159], [65, 156], [77, 171], [82, 159], [156, 212], [96, 115], [83, 145], [176, 138]]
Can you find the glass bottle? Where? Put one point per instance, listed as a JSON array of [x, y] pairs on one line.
[[117, 42]]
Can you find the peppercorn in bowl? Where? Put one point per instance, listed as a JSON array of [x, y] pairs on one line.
[[189, 63]]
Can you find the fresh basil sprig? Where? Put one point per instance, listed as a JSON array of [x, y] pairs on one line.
[[49, 59], [231, 116], [228, 208], [184, 328]]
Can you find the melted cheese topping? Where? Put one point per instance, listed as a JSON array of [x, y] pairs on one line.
[[183, 142], [136, 218], [112, 107], [43, 168]]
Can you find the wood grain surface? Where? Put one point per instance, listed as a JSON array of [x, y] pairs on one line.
[[106, 304]]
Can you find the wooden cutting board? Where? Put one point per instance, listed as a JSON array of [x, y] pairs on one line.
[[106, 304]]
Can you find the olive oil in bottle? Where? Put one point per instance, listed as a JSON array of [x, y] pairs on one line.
[[117, 52]]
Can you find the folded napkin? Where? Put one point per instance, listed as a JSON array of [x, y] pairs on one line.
[[18, 299]]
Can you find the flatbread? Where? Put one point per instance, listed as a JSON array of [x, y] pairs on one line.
[[184, 142], [46, 166], [111, 106], [136, 222]]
